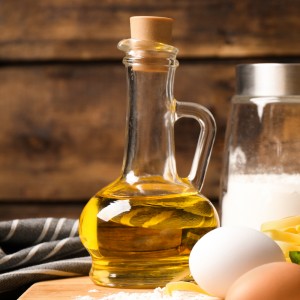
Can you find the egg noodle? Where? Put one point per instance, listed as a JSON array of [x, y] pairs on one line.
[[285, 232], [183, 286]]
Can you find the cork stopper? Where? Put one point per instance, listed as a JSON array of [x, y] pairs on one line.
[[157, 29]]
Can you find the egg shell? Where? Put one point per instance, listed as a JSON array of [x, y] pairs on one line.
[[273, 281], [224, 254]]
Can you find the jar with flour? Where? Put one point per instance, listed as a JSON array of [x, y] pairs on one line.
[[261, 173]]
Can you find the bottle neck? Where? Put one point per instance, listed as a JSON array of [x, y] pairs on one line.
[[150, 117]]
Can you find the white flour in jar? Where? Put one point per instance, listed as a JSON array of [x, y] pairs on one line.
[[253, 199]]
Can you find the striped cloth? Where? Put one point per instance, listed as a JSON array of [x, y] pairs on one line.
[[33, 250]]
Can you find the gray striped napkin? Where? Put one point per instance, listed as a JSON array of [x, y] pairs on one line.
[[33, 250]]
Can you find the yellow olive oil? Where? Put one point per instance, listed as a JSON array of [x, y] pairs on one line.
[[143, 241]]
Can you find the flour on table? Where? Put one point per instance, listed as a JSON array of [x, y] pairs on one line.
[[157, 294]]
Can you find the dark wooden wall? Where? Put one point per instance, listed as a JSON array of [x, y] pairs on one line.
[[62, 88]]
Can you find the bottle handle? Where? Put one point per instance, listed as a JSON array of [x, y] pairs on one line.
[[205, 141]]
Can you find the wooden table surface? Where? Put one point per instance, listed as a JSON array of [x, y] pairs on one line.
[[70, 288]]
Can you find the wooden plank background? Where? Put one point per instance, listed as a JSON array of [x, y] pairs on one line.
[[62, 88]]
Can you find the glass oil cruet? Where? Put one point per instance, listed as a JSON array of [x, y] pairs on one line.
[[140, 229]]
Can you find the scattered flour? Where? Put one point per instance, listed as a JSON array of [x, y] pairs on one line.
[[157, 294]]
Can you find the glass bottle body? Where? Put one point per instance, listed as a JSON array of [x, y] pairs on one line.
[[140, 229], [148, 242]]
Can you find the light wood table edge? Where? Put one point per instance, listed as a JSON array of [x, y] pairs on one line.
[[71, 288]]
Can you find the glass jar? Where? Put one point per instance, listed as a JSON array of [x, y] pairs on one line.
[[261, 174]]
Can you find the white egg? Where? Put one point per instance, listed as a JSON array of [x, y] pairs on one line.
[[224, 254]]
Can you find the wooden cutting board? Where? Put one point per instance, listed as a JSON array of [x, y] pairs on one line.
[[71, 289]]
